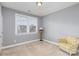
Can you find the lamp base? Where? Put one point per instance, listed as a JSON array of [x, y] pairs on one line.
[[41, 40]]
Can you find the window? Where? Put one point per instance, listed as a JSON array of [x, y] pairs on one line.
[[25, 24]]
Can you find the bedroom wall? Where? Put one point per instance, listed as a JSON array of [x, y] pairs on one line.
[[9, 36], [61, 23]]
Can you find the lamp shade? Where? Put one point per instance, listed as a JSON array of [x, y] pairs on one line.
[[41, 28]]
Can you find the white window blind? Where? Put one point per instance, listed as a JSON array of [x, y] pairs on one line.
[[25, 24]]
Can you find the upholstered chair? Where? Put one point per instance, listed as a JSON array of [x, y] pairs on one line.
[[68, 44]]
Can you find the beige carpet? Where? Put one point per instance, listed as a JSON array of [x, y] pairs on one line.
[[34, 49]]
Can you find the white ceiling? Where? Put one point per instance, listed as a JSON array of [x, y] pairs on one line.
[[45, 9]]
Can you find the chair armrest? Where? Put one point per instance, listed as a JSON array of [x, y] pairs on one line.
[[62, 41]]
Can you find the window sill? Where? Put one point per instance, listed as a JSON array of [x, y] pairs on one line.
[[27, 33]]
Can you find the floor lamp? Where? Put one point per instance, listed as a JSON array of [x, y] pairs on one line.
[[41, 33]]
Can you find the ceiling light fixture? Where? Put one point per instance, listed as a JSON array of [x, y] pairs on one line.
[[39, 4]]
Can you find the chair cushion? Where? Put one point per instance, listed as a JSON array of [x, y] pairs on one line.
[[66, 46]]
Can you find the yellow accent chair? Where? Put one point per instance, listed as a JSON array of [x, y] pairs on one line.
[[68, 44]]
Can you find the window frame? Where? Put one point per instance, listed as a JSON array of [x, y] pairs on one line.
[[28, 28]]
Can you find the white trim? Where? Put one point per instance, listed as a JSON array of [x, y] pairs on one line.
[[51, 42], [19, 44], [14, 45]]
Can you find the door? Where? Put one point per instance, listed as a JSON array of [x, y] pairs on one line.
[[1, 36]]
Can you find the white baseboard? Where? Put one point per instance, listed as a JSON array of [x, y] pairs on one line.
[[14, 45], [19, 44], [51, 42]]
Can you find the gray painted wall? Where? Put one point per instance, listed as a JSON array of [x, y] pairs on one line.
[[40, 22], [1, 29], [62, 23], [9, 36]]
